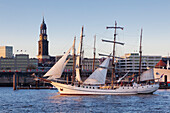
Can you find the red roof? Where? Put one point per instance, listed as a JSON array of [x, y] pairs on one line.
[[160, 64]]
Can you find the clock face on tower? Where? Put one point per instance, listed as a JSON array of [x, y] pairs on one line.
[[45, 38], [40, 37]]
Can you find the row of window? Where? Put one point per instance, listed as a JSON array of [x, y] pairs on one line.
[[3, 63], [6, 66]]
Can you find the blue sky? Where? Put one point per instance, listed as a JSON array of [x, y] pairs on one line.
[[20, 22]]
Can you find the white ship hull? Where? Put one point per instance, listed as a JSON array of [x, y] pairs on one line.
[[65, 89]]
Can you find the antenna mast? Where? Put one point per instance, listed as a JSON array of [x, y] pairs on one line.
[[113, 64]]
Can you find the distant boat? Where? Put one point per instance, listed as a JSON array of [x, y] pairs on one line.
[[95, 83]]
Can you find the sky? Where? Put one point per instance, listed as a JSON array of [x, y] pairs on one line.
[[20, 22]]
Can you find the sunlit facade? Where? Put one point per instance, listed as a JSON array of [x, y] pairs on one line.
[[130, 62], [20, 62], [6, 51]]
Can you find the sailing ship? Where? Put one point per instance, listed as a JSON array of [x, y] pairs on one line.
[[95, 83]]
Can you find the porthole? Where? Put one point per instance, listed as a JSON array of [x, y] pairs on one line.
[[61, 89]]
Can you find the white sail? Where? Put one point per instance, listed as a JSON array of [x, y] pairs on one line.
[[78, 78], [55, 77], [58, 68], [79, 58], [78, 51], [147, 75], [99, 75]]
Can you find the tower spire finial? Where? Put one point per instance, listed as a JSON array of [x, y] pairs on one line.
[[43, 19]]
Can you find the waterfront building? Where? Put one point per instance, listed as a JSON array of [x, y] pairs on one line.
[[7, 64], [163, 68], [43, 55], [161, 64], [23, 62], [130, 62], [20, 62], [166, 60], [6, 51], [87, 63], [165, 73]]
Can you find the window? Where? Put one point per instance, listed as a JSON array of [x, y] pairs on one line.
[[157, 73]]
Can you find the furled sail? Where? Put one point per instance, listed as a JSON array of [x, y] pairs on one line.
[[57, 70], [79, 58], [78, 51], [78, 78], [147, 75], [99, 75]]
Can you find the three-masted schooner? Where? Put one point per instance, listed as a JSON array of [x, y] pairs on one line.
[[95, 83]]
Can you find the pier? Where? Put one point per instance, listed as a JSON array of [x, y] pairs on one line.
[[24, 80]]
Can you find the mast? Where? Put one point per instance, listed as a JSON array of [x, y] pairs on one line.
[[81, 52], [140, 53], [74, 56], [94, 53], [113, 64]]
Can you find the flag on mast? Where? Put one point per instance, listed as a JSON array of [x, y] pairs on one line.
[[161, 75]]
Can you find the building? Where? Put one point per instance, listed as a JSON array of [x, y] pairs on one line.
[[43, 55], [87, 64], [165, 80], [161, 64], [20, 62], [7, 63], [165, 63], [6, 51], [130, 62]]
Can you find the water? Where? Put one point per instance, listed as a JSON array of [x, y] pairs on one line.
[[24, 101]]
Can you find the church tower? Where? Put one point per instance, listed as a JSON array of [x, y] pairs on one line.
[[43, 55]]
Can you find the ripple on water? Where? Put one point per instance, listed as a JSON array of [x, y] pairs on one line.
[[51, 101]]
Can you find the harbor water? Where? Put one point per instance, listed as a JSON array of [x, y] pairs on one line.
[[45, 100]]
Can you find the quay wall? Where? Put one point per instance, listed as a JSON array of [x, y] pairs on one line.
[[25, 79]]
